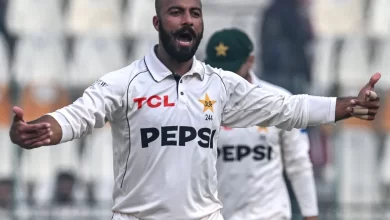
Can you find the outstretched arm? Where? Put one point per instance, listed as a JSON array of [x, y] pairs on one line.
[[41, 132], [248, 105], [97, 105]]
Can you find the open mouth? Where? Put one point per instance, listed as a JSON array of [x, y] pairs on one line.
[[184, 39]]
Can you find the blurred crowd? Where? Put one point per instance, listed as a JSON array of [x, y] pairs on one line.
[[51, 50]]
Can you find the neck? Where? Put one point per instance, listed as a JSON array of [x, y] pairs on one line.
[[171, 64], [248, 77]]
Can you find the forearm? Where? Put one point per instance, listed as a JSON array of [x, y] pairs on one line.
[[342, 105], [55, 128]]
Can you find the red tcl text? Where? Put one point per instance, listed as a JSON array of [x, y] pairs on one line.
[[154, 101]]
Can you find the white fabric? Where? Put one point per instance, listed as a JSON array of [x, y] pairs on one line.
[[93, 57], [250, 170], [95, 17], [40, 60], [26, 17], [165, 148]]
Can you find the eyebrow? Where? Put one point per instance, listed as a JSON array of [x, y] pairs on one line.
[[182, 8]]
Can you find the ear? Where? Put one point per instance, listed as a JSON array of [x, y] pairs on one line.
[[250, 61], [156, 23]]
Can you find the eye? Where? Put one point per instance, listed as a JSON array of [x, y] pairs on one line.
[[196, 13], [174, 12]]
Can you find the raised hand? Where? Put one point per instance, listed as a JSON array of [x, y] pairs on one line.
[[366, 106], [28, 136]]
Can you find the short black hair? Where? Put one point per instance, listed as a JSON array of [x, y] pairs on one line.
[[157, 6]]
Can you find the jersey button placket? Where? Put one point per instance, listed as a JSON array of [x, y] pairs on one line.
[[181, 97]]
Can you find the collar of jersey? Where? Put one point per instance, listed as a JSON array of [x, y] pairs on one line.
[[159, 71], [255, 79]]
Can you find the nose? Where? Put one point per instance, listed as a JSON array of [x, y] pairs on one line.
[[187, 19]]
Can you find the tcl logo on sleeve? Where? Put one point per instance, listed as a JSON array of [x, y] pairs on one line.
[[154, 101]]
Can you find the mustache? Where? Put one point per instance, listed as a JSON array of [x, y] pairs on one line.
[[185, 29]]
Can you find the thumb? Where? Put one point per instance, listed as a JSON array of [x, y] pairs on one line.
[[18, 114], [373, 80]]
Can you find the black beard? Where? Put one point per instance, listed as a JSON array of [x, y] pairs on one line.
[[179, 54]]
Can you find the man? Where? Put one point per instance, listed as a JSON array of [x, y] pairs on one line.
[[251, 160], [165, 111], [286, 35]]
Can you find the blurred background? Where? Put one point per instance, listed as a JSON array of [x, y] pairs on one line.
[[51, 50]]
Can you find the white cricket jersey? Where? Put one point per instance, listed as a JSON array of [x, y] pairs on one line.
[[250, 170], [165, 131]]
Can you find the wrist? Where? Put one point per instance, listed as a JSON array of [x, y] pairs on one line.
[[342, 104]]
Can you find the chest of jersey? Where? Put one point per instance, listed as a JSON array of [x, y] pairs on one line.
[[175, 113]]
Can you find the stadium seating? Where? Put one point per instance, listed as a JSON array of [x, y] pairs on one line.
[[5, 101], [323, 76], [141, 47], [40, 60], [385, 162], [381, 63], [357, 156], [32, 16], [237, 3], [6, 155], [37, 169], [93, 57], [98, 17], [379, 18], [40, 70], [354, 66], [97, 163], [4, 61], [327, 16], [40, 166], [138, 19]]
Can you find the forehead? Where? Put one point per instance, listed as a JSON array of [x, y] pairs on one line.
[[166, 4]]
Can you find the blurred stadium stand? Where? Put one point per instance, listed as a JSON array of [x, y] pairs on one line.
[[51, 50]]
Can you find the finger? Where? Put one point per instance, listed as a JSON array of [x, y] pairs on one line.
[[366, 117], [18, 113], [358, 110], [32, 135], [366, 104], [40, 144], [372, 95], [373, 80], [43, 138], [28, 128]]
